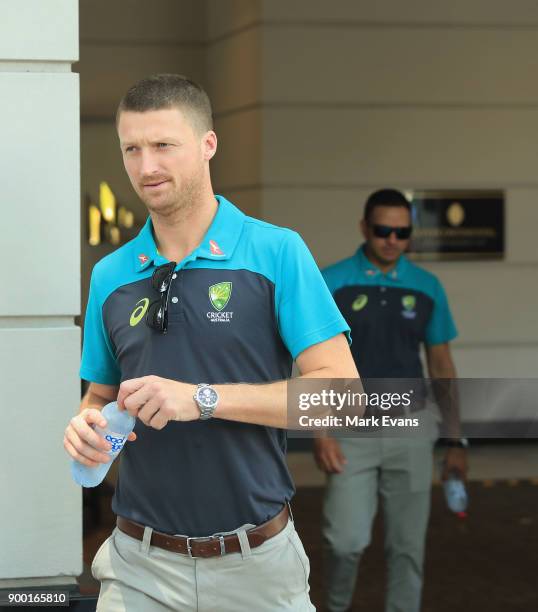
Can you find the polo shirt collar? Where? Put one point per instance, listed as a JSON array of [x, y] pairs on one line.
[[223, 233], [218, 243], [370, 270]]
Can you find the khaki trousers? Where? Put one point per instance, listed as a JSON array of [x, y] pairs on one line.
[[137, 577], [399, 471]]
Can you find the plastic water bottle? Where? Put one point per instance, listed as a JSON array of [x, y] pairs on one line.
[[455, 494], [119, 425]]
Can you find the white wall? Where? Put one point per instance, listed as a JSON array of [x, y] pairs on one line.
[[41, 510], [356, 96]]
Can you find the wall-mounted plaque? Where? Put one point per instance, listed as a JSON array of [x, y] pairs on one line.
[[457, 224]]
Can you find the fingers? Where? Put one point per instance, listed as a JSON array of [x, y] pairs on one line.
[[128, 387], [135, 402], [82, 443], [329, 456], [77, 456], [149, 401], [82, 451], [334, 462], [158, 421], [81, 425], [156, 411], [149, 411]]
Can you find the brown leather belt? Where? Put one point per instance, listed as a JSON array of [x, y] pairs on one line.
[[212, 546]]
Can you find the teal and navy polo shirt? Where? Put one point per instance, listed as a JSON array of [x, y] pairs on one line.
[[390, 315], [242, 306]]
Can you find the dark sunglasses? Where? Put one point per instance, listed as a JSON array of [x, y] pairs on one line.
[[384, 231], [161, 281]]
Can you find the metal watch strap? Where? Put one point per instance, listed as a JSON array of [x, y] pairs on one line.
[[206, 412]]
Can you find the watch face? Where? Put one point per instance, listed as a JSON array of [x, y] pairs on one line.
[[207, 397]]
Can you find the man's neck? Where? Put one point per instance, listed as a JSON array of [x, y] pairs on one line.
[[177, 236], [384, 267]]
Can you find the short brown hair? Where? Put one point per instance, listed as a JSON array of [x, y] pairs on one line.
[[162, 91]]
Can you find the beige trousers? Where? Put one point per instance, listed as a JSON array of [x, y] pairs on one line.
[[137, 577]]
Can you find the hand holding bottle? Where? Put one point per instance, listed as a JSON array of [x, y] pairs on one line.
[[94, 438]]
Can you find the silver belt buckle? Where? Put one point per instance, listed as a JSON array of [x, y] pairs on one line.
[[220, 538]]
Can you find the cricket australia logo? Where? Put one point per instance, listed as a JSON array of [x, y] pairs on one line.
[[219, 296], [409, 302]]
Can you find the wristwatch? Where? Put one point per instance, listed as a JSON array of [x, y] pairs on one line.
[[457, 443], [207, 399]]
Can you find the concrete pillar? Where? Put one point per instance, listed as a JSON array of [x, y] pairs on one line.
[[40, 507]]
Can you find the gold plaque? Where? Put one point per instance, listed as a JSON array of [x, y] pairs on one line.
[[455, 214]]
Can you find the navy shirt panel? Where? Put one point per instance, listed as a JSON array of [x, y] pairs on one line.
[[198, 347], [386, 337], [390, 315]]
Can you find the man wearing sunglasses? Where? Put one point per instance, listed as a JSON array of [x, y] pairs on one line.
[[393, 307], [193, 327]]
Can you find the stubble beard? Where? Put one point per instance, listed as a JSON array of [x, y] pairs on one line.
[[179, 203]]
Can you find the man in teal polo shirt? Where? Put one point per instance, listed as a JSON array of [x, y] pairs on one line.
[[193, 327], [392, 307]]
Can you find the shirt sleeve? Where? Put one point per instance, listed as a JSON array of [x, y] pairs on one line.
[[441, 327], [306, 311], [98, 364], [329, 279]]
